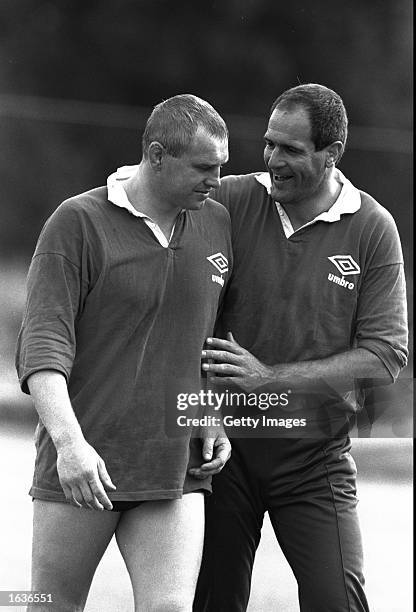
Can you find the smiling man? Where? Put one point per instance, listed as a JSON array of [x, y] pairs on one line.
[[316, 308], [120, 302], [299, 169]]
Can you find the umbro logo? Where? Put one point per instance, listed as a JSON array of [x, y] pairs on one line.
[[220, 262], [347, 266]]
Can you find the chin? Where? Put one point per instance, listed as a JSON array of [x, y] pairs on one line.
[[195, 205], [278, 195]]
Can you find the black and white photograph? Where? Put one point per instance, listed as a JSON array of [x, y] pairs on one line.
[[206, 306]]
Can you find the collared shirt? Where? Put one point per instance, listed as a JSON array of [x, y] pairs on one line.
[[348, 201], [116, 313], [326, 289], [118, 196]]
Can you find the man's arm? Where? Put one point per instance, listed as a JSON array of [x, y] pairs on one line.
[[82, 472], [235, 365], [216, 450], [216, 447]]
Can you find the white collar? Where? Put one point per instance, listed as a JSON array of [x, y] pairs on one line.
[[118, 196], [116, 192], [348, 201]]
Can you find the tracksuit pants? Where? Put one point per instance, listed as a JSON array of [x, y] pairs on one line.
[[308, 488]]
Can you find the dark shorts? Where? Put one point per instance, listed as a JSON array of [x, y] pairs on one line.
[[123, 506]]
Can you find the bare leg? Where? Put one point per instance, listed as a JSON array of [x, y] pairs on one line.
[[161, 544], [68, 544]]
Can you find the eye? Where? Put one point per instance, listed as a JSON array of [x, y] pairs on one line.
[[268, 144]]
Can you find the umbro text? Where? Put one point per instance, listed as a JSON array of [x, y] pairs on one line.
[[218, 279], [340, 281]]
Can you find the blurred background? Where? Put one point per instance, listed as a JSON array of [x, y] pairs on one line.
[[77, 81]]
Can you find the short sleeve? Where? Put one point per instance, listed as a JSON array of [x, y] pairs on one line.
[[56, 289]]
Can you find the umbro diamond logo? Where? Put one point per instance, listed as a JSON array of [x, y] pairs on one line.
[[220, 262], [345, 264]]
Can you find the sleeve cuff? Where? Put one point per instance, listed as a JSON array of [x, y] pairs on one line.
[[393, 360], [53, 366]]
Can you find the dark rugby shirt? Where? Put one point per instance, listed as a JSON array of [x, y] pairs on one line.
[[334, 284], [124, 320]]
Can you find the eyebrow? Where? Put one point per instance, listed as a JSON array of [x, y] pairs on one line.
[[294, 145]]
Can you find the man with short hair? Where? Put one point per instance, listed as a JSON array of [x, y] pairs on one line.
[[121, 298], [314, 312]]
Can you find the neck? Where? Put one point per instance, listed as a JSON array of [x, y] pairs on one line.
[[145, 199], [302, 212]]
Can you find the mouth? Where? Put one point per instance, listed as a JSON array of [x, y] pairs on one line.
[[281, 178], [205, 194]]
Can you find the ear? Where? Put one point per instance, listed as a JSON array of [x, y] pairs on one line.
[[156, 152], [333, 153]]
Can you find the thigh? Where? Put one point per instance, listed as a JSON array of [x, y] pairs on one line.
[[68, 543], [234, 517], [161, 544], [318, 530]]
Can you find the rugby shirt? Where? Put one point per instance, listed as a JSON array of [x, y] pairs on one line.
[[332, 285], [124, 320]]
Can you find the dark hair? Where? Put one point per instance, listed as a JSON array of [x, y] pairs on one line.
[[325, 108], [174, 122]]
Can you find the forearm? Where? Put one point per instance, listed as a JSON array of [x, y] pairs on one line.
[[82, 473], [49, 391], [339, 371], [232, 364]]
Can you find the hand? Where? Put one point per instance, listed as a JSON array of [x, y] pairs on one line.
[[216, 450], [235, 365], [83, 476]]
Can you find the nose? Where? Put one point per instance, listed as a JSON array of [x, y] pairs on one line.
[[275, 158], [213, 180]]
